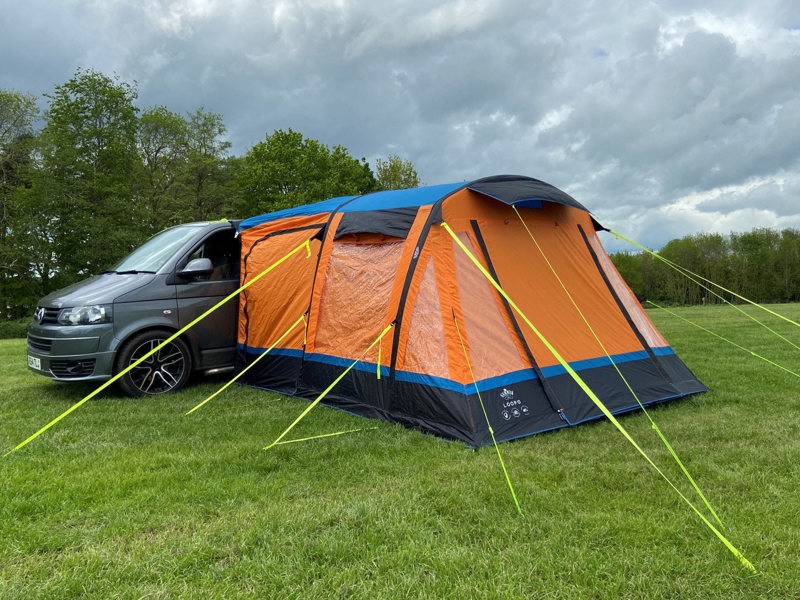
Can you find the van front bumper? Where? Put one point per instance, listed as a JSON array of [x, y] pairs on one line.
[[71, 353]]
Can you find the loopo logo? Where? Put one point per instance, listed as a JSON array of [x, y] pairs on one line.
[[507, 394]]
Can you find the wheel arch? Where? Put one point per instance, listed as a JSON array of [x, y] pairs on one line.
[[169, 329]]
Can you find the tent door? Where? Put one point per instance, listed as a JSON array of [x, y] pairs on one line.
[[549, 393]]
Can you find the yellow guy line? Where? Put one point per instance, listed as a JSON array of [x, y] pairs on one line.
[[653, 424], [486, 416], [688, 274], [324, 435], [252, 364], [329, 388], [588, 391], [233, 294], [724, 339], [724, 289], [698, 279]]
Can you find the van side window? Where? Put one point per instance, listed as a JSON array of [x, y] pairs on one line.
[[222, 248]]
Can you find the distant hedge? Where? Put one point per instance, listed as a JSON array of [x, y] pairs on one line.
[[14, 329], [762, 265]]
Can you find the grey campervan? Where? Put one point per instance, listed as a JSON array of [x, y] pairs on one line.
[[93, 329]]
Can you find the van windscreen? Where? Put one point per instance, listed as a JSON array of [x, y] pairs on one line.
[[155, 252]]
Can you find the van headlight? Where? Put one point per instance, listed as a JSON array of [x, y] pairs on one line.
[[86, 315]]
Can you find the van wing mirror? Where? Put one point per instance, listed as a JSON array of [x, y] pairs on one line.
[[196, 267]]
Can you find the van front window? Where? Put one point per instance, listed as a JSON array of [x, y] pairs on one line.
[[155, 252]]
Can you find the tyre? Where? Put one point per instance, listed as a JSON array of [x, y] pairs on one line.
[[166, 370]]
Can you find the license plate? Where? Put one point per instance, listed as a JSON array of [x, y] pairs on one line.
[[35, 363]]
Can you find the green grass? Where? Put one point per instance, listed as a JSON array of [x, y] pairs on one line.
[[130, 499]]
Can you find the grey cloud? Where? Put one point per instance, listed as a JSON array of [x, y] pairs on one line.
[[628, 106], [779, 196]]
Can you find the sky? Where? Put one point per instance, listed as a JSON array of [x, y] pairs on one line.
[[664, 119]]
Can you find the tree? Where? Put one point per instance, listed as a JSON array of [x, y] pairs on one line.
[[762, 265], [186, 174], [163, 142], [789, 265], [89, 157], [17, 145], [288, 170], [204, 176], [682, 252], [755, 259], [629, 266], [394, 173], [17, 113], [705, 254]]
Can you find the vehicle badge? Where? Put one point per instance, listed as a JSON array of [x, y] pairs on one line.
[[39, 314]]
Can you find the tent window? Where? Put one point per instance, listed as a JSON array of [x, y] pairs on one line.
[[355, 297], [492, 349], [426, 351], [394, 222]]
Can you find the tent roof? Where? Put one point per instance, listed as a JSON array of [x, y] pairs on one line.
[[510, 189]]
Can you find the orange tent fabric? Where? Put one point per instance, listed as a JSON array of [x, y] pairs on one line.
[[384, 258]]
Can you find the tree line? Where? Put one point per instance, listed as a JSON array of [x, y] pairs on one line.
[[762, 265], [91, 177]]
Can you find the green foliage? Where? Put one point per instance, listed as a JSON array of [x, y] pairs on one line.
[[205, 180], [184, 174], [762, 265], [101, 177], [14, 328], [288, 170], [17, 154], [97, 180], [17, 112], [89, 157], [163, 142], [394, 173], [130, 499]]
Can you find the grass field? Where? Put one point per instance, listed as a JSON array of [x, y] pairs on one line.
[[130, 499]]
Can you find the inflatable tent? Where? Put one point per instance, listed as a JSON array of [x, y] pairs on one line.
[[458, 357]]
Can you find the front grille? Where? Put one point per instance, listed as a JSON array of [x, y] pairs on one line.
[[72, 368], [49, 315], [40, 344]]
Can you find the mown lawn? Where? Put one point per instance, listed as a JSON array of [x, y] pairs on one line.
[[131, 499]]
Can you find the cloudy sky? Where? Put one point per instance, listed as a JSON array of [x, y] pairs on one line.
[[663, 118]]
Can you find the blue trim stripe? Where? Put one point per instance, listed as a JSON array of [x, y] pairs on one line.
[[594, 363], [338, 361], [454, 386], [409, 198], [306, 210], [385, 200], [663, 351], [294, 353], [431, 381]]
